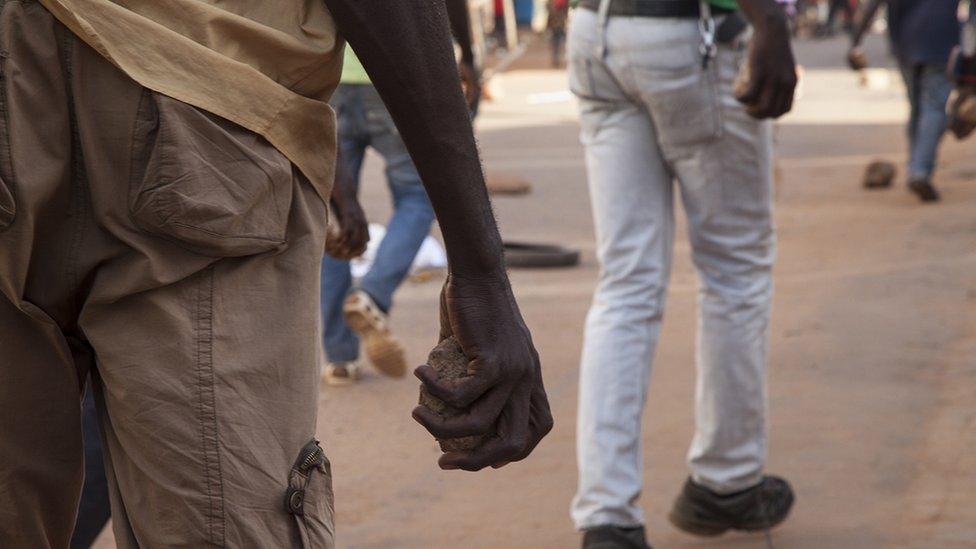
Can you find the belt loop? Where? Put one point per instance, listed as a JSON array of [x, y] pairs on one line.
[[603, 19], [706, 24]]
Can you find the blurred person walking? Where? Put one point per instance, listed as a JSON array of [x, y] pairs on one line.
[[922, 34], [457, 10], [163, 188], [499, 30], [459, 16], [354, 312], [836, 8], [556, 25], [655, 79]]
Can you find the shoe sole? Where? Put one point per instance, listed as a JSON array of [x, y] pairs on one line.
[[338, 381], [696, 528], [690, 526], [383, 350]]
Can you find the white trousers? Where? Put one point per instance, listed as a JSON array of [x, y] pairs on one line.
[[655, 121]]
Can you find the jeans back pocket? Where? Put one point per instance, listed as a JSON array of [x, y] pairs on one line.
[[684, 105], [205, 183]]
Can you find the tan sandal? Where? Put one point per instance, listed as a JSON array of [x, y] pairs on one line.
[[339, 374], [370, 323]]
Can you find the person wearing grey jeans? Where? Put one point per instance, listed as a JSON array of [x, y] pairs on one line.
[[660, 116]]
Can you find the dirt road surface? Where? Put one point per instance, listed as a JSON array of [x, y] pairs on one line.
[[872, 366]]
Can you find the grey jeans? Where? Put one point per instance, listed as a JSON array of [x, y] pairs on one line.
[[651, 116]]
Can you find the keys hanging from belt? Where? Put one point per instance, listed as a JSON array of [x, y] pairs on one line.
[[706, 25]]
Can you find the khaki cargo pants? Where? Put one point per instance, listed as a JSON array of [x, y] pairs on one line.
[[175, 257]]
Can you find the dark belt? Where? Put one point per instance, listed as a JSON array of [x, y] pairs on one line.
[[652, 8]]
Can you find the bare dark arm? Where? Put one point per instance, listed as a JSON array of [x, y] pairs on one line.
[[772, 70], [350, 235], [864, 22], [855, 57], [457, 12], [406, 48]]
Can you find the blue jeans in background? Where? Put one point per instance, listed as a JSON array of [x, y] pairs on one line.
[[928, 91], [363, 121]]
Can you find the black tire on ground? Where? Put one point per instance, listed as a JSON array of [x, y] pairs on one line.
[[524, 255]]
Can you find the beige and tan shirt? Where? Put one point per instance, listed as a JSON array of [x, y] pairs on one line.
[[267, 65]]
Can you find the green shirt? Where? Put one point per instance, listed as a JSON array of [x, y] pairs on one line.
[[726, 4], [352, 70]]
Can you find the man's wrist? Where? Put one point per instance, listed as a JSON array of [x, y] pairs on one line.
[[495, 275], [346, 198], [771, 24], [346, 209], [478, 261], [483, 267]]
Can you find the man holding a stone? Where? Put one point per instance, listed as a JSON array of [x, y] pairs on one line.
[[164, 172]]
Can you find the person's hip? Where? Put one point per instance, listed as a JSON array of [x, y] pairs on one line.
[[651, 8]]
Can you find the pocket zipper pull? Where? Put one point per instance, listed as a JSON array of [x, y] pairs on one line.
[[311, 456]]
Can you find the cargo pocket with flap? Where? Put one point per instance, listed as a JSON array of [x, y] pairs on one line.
[[309, 498], [206, 183]]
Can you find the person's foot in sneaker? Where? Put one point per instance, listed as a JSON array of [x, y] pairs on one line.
[[364, 316], [341, 373], [702, 512], [924, 189], [614, 537]]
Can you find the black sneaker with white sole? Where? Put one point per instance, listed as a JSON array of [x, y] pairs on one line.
[[702, 512]]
